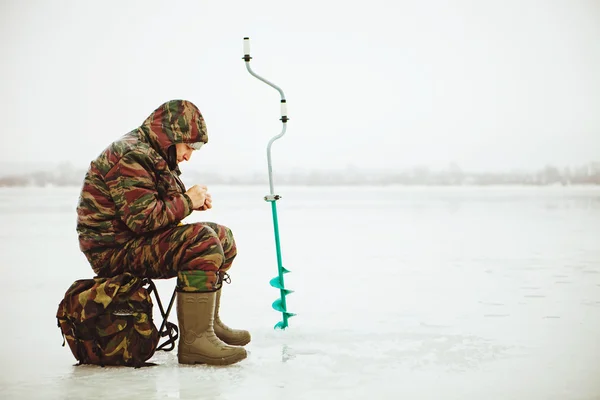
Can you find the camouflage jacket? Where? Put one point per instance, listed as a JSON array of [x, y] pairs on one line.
[[133, 186]]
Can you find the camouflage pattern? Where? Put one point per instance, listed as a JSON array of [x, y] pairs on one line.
[[133, 186], [197, 254], [108, 321], [132, 201]]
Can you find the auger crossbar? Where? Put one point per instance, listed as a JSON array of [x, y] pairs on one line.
[[277, 282]]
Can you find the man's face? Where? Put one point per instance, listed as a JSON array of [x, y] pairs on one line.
[[184, 152]]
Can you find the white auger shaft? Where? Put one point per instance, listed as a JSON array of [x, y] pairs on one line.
[[284, 117]]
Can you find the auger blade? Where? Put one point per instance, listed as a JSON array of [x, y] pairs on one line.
[[285, 271], [278, 305], [280, 325], [283, 324], [276, 283]]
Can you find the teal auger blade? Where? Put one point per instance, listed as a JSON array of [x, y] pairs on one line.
[[283, 324], [278, 306], [280, 325], [276, 283], [285, 271]]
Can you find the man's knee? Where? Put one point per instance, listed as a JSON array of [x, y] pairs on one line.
[[229, 238], [205, 257], [228, 242], [206, 244], [225, 236]]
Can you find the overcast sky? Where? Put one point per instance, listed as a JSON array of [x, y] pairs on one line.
[[377, 84]]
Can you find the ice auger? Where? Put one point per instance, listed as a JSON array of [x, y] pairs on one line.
[[277, 282]]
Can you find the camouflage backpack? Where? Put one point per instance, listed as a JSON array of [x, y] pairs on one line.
[[108, 321]]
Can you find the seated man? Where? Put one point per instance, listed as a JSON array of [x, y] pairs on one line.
[[128, 220]]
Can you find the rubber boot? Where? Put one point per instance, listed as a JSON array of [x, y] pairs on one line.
[[234, 337], [198, 343]]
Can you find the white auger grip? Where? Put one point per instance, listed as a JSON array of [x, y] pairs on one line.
[[246, 46]]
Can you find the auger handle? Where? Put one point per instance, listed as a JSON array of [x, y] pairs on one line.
[[284, 118]]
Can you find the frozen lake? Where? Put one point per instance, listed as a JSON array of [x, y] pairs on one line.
[[401, 293]]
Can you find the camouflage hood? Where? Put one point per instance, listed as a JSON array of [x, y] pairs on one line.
[[176, 121]]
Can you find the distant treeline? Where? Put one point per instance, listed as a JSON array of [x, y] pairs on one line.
[[588, 174]]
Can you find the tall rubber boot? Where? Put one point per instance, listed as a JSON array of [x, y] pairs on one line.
[[234, 337], [198, 343]]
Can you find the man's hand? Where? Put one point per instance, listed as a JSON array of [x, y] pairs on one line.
[[198, 195], [207, 203]]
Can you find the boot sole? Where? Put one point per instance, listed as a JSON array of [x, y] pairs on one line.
[[198, 359]]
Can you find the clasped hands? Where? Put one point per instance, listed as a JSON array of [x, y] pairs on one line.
[[201, 199]]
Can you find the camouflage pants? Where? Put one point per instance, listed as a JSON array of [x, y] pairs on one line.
[[194, 253]]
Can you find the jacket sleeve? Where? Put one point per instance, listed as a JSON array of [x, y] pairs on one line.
[[138, 203]]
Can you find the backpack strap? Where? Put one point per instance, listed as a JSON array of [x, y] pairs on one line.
[[61, 332], [81, 355], [98, 351]]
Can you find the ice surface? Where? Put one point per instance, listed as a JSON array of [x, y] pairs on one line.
[[412, 293]]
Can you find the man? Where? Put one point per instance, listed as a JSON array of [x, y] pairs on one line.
[[128, 220]]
